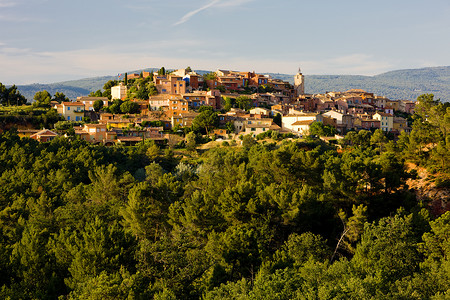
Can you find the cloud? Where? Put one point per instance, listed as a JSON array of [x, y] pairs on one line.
[[7, 3], [21, 19], [192, 13], [218, 3], [231, 3], [24, 66]]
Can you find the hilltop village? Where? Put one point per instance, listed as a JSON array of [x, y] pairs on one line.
[[150, 104], [224, 185]]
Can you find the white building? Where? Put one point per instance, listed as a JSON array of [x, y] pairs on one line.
[[118, 91]]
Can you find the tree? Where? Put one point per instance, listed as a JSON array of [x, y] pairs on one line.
[[190, 141], [210, 76], [97, 93], [228, 103], [115, 107], [436, 248], [129, 107], [207, 119], [98, 104], [141, 93], [378, 139], [107, 88], [151, 88], [109, 84], [125, 79], [188, 70], [11, 96], [244, 102], [248, 141], [42, 99], [162, 71], [3, 94], [387, 251], [230, 127], [14, 96], [424, 104], [60, 97], [277, 119], [317, 128]]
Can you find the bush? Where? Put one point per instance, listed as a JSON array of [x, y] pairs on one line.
[[225, 144]]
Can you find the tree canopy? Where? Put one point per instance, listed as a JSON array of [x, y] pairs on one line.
[[11, 96], [205, 120], [42, 99], [297, 219]]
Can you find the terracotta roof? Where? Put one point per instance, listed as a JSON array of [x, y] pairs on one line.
[[73, 103], [384, 114], [258, 125], [45, 132], [302, 115], [399, 120], [95, 125], [369, 120], [129, 138], [309, 122], [86, 98]]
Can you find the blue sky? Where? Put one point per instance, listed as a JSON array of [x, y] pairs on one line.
[[55, 40]]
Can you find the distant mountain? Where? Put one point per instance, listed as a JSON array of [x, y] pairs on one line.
[[399, 84]]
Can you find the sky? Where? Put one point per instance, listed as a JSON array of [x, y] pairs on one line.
[[45, 41]]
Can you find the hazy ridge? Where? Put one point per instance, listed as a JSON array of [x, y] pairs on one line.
[[398, 84]]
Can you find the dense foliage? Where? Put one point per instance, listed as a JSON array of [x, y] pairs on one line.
[[11, 96], [294, 220]]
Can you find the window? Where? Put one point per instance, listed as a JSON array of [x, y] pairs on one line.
[[68, 118], [68, 107], [253, 129]]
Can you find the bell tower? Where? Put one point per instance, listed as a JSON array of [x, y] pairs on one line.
[[299, 82]]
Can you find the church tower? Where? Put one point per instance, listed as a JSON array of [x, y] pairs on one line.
[[299, 82]]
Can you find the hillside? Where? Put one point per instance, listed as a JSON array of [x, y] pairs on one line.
[[398, 84]]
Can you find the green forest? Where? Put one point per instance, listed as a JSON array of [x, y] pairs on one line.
[[295, 219]]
